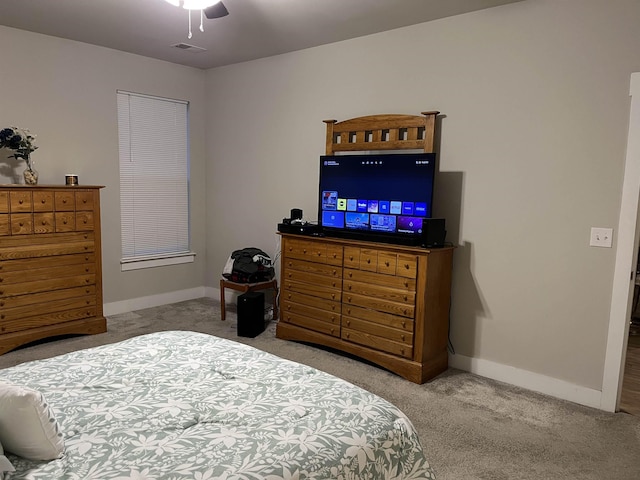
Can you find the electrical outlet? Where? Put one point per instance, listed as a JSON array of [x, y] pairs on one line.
[[601, 237]]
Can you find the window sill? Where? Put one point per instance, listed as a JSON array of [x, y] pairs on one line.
[[151, 261]]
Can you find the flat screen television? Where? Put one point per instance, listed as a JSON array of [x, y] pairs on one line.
[[376, 197]]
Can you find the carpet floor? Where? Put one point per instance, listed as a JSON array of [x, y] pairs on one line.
[[471, 427]]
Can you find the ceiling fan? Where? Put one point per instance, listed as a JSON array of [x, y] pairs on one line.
[[208, 8]]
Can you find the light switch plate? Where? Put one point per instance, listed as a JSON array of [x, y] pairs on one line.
[[601, 237]]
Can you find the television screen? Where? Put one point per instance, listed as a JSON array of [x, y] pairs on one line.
[[380, 197]]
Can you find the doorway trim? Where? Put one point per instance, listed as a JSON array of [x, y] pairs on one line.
[[626, 257]]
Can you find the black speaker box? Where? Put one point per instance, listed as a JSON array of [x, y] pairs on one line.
[[433, 232], [250, 314]]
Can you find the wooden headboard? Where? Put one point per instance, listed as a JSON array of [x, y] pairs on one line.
[[382, 132]]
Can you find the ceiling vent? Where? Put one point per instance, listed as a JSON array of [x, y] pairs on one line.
[[189, 48]]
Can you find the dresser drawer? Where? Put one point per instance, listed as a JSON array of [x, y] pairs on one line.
[[5, 229], [313, 279], [44, 297], [43, 222], [35, 251], [379, 304], [57, 272], [400, 283], [387, 319], [10, 317], [65, 221], [21, 224], [65, 200], [36, 286], [383, 331], [20, 201], [84, 200], [84, 221], [4, 202], [43, 201], [313, 251], [46, 319], [312, 267], [377, 343], [46, 262], [310, 323], [313, 290], [380, 292], [331, 307]]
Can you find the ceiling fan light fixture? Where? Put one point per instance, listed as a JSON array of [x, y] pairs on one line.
[[193, 4]]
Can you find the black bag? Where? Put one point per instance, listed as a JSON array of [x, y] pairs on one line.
[[249, 265]]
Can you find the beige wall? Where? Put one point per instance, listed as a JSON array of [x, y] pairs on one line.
[[535, 106], [65, 93]]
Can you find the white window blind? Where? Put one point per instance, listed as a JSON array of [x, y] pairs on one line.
[[154, 177]]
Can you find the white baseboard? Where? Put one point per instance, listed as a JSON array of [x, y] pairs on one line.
[[529, 380], [124, 306], [485, 368]]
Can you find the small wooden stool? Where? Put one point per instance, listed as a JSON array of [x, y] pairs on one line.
[[249, 287]]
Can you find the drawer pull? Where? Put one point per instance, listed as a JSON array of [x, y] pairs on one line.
[[347, 335], [406, 265], [1, 304], [406, 284], [44, 222], [289, 274], [402, 338], [43, 201], [406, 311], [333, 296], [290, 264], [332, 330], [304, 250], [87, 291], [406, 298], [288, 307], [2, 316], [64, 221], [334, 272], [84, 200], [333, 307], [64, 200], [319, 254], [351, 259], [402, 351], [84, 221], [289, 296], [348, 323], [349, 287], [368, 260], [86, 280], [386, 264], [291, 249], [404, 324], [20, 202], [21, 224]]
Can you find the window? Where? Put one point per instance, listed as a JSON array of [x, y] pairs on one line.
[[154, 181]]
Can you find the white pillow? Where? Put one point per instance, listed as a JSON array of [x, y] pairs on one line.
[[5, 464], [28, 427]]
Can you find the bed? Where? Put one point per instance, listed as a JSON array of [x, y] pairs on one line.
[[185, 405]]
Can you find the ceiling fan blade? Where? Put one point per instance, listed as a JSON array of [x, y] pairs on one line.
[[216, 11]]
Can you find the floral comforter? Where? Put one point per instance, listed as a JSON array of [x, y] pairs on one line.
[[184, 405]]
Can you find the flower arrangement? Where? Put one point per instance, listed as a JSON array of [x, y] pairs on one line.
[[20, 141]]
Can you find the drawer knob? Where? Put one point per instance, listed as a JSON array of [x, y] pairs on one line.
[[404, 324], [84, 200], [304, 250], [87, 290], [406, 311], [348, 323], [87, 280], [21, 224], [349, 287], [368, 260], [406, 284], [290, 264], [2, 316], [64, 221], [319, 254], [333, 284], [332, 330], [347, 335], [349, 311], [44, 222], [333, 296], [406, 298], [43, 201], [351, 259], [386, 264], [1, 304], [402, 351], [334, 272], [333, 307], [84, 221], [350, 274], [20, 202], [288, 307], [406, 265], [402, 338], [64, 200]]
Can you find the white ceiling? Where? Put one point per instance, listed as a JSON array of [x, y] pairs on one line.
[[253, 29]]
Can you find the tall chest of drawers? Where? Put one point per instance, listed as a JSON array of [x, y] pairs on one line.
[[388, 304], [50, 263]]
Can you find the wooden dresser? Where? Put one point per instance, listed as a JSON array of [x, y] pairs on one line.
[[385, 303], [50, 263]]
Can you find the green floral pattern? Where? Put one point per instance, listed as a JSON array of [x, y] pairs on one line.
[[185, 405]]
